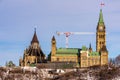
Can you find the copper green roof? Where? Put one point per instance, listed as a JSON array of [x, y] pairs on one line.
[[67, 51], [101, 21], [94, 54], [84, 48], [66, 54]]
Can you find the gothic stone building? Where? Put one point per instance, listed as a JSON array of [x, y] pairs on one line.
[[33, 54], [84, 57]]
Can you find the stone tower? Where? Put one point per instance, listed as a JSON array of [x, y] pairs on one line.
[[53, 46], [101, 40], [104, 56], [101, 33], [53, 49]]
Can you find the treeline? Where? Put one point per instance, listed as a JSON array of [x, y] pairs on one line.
[[115, 61]]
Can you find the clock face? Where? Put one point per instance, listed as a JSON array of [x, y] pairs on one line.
[[101, 28]]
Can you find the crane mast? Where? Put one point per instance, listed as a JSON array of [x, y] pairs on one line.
[[67, 34]]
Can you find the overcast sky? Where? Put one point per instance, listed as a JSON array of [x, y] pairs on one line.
[[18, 18]]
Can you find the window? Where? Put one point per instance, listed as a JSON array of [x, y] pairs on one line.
[[84, 57], [57, 59], [102, 42]]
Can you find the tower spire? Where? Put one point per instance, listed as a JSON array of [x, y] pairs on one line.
[[101, 17], [34, 39], [35, 30], [90, 46]]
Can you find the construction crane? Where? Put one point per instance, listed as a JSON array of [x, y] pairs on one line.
[[67, 34]]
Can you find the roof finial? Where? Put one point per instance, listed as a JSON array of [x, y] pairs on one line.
[[35, 29]]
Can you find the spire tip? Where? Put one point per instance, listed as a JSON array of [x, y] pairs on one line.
[[35, 29]]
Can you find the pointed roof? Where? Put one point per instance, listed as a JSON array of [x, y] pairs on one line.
[[90, 46], [34, 39], [53, 38], [101, 17]]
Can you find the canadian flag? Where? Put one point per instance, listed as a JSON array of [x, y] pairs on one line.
[[102, 4]]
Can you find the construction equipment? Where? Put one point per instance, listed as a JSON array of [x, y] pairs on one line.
[[67, 34]]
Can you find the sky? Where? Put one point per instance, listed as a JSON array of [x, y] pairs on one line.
[[18, 18]]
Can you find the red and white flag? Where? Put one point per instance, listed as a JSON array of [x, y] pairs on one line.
[[102, 4]]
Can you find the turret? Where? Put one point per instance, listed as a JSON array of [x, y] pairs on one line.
[[104, 56], [90, 48], [53, 51]]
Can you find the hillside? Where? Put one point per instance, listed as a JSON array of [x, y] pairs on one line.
[[33, 73]]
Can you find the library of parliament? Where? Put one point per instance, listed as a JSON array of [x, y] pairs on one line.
[[84, 57]]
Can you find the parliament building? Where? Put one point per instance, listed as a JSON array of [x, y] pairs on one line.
[[84, 57]]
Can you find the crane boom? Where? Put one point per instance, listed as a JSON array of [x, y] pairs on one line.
[[82, 33], [67, 34]]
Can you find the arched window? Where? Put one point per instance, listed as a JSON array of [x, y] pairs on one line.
[[57, 59]]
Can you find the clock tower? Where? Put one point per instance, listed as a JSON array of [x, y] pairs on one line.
[[100, 33]]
